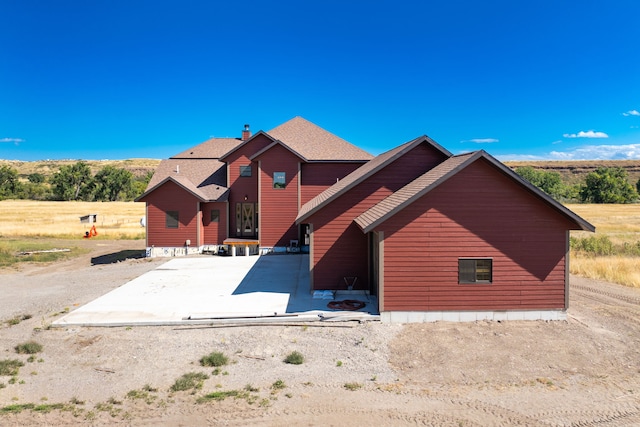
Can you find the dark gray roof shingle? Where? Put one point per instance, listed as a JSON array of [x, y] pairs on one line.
[[205, 178], [313, 143]]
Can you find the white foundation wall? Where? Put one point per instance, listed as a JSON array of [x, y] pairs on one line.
[[469, 316]]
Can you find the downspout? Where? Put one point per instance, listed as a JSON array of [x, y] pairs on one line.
[[567, 252], [259, 210], [299, 234], [380, 271], [311, 246], [146, 224]]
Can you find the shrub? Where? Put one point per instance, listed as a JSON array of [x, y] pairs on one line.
[[353, 386], [191, 380], [214, 359], [10, 367], [294, 358], [278, 385], [30, 347]]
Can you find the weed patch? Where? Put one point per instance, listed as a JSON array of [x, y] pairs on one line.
[[16, 320], [10, 367], [353, 386], [294, 358], [214, 359], [189, 381], [30, 347]]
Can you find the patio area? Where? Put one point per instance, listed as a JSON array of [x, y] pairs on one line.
[[217, 289]]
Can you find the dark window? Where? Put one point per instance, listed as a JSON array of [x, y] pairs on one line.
[[172, 219], [279, 180], [475, 270], [215, 215], [245, 170]]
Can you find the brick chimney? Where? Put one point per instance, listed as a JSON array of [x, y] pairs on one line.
[[246, 133]]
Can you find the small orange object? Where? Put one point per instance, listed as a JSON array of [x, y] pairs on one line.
[[92, 232]]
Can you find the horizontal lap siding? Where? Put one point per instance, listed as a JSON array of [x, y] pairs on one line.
[[340, 248], [214, 232], [278, 206], [477, 213], [317, 177], [171, 197]]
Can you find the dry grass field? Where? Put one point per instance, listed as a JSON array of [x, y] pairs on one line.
[[621, 225], [28, 218]]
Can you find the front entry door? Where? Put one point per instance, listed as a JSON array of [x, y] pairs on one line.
[[247, 223]]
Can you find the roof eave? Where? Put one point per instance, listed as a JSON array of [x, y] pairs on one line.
[[197, 194], [419, 194], [233, 150], [273, 144], [409, 146]]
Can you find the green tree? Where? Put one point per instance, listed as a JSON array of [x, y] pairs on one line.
[[73, 182], [10, 186], [112, 183], [608, 185], [36, 178], [139, 185], [549, 182]]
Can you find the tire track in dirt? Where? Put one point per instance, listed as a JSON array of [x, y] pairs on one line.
[[614, 295], [579, 418]]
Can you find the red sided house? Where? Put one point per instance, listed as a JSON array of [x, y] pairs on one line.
[[435, 236]]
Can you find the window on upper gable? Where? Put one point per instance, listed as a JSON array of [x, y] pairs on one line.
[[215, 215], [279, 180], [245, 170], [475, 270]]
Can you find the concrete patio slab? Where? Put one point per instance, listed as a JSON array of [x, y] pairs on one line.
[[215, 289]]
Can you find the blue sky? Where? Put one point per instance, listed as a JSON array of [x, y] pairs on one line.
[[125, 79]]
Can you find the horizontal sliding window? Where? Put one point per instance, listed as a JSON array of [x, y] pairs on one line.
[[475, 270]]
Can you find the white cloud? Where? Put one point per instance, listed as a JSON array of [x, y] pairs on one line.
[[16, 141], [599, 152], [587, 134], [586, 152], [631, 113], [482, 140]]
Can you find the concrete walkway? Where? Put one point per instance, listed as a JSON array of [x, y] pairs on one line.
[[215, 289]]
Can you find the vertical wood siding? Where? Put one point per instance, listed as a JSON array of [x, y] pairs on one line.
[[278, 206], [214, 232], [340, 247], [317, 177], [171, 197], [478, 213], [243, 186]]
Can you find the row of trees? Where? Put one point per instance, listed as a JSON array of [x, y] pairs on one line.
[[73, 182], [76, 182], [604, 185]]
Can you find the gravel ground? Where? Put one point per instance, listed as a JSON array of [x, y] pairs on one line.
[[584, 371]]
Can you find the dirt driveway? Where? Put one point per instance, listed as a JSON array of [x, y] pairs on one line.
[[585, 371]]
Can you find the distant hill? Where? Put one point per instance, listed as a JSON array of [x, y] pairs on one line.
[[573, 172], [138, 167]]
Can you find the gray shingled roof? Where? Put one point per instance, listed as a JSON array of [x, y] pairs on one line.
[[205, 178], [313, 143], [397, 201], [213, 148], [360, 174]]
